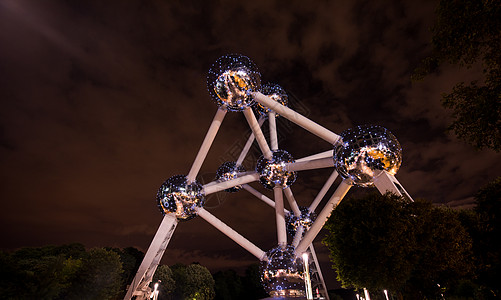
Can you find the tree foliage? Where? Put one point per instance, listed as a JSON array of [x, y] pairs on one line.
[[193, 282], [486, 239], [467, 32], [64, 272], [387, 242], [165, 277]]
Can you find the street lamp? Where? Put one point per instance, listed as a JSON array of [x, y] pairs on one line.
[[307, 281], [154, 294]]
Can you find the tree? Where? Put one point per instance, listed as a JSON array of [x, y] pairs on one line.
[[253, 289], [387, 242], [193, 282], [368, 236], [467, 32], [167, 284], [486, 238], [99, 276], [228, 285]]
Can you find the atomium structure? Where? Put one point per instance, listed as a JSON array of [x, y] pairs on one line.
[[362, 156]]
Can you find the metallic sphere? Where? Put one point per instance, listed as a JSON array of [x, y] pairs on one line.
[[178, 196], [273, 172], [231, 80], [365, 151], [227, 171], [275, 92], [305, 220], [282, 273]]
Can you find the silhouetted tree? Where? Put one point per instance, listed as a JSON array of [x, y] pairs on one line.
[[468, 32], [228, 285], [99, 276], [387, 242], [193, 281], [167, 284]]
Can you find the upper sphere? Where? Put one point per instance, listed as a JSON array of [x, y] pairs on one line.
[[230, 81], [365, 151], [178, 196]]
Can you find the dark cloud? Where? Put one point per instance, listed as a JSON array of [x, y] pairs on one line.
[[101, 102]]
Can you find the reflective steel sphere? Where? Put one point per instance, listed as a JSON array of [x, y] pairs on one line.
[[305, 220], [275, 92], [178, 196], [365, 151], [282, 273], [273, 172], [228, 171], [230, 81]]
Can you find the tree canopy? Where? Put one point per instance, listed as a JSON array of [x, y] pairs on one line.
[[387, 242], [468, 32]]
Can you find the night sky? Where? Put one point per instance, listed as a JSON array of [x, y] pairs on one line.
[[101, 101]]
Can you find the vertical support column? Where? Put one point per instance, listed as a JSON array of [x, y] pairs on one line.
[[385, 182], [319, 272], [204, 149], [144, 275], [232, 234], [273, 131], [280, 216], [310, 235]]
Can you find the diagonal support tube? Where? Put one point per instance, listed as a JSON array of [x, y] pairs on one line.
[[292, 201], [204, 149], [297, 118], [323, 191], [273, 130], [144, 275], [320, 163], [328, 153], [232, 234], [258, 133], [260, 196], [312, 233], [247, 177], [248, 145]]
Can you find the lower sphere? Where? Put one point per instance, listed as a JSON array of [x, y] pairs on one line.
[[282, 273]]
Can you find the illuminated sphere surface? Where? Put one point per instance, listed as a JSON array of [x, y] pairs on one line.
[[273, 172], [275, 92], [367, 150], [305, 220], [228, 171], [178, 196], [231, 80], [282, 273]]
